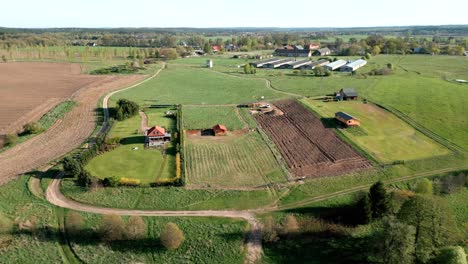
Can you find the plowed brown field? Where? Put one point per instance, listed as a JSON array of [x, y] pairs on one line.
[[66, 134], [309, 148], [29, 90]]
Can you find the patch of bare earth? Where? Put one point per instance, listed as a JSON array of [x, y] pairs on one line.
[[66, 134]]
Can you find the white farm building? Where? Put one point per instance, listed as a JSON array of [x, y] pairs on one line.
[[352, 66], [335, 65]]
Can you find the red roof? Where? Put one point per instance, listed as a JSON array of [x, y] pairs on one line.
[[216, 48], [219, 127], [156, 131]]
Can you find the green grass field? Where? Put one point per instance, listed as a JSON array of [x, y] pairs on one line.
[[224, 161], [194, 85], [381, 134], [156, 116], [207, 240], [203, 117]]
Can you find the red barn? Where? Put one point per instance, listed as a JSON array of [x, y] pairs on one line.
[[219, 130]]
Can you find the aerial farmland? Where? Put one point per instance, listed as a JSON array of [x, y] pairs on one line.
[[142, 152]]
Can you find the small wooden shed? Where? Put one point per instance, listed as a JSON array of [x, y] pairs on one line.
[[347, 119], [219, 130]]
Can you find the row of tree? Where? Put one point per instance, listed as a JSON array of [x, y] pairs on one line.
[[114, 228]]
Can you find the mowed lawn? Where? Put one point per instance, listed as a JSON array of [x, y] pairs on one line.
[[202, 117], [192, 85], [422, 87], [233, 161], [381, 134], [131, 159]]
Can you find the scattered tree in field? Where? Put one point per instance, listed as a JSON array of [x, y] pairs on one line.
[[136, 228], [396, 242], [424, 186], [84, 179], [170, 54], [11, 139], [319, 71], [112, 228], [171, 236], [4, 58], [74, 223], [368, 56], [32, 128], [207, 48], [249, 69], [71, 167], [451, 255], [379, 200], [290, 225], [364, 210], [434, 223], [269, 230]]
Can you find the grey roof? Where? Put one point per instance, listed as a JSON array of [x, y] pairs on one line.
[[323, 50], [277, 51], [300, 62], [280, 62], [349, 92], [336, 63], [344, 115], [265, 61], [356, 63]]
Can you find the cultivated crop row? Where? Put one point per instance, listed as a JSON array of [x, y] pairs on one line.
[[309, 148]]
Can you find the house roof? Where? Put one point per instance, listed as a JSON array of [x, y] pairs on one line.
[[323, 50], [156, 131], [219, 127], [350, 92], [344, 115]]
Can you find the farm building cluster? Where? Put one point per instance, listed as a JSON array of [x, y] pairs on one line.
[[342, 65]]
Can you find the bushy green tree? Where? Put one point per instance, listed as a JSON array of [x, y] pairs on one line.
[[71, 167], [11, 139], [396, 242], [451, 255], [424, 186], [126, 108], [33, 128], [379, 200], [136, 228], [434, 223], [363, 210]]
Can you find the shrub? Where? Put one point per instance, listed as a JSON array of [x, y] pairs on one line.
[[110, 182], [424, 186], [270, 230], [171, 236], [84, 179], [113, 140], [379, 200], [178, 166], [112, 228], [32, 128], [74, 223], [451, 255], [290, 226], [11, 139], [129, 181], [136, 228], [363, 210]]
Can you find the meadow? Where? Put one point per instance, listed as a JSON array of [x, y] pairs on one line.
[[231, 161], [178, 84], [381, 134], [203, 117]]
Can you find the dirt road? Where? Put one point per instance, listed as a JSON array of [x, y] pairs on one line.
[[66, 134]]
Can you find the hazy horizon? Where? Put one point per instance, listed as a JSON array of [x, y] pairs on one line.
[[239, 14]]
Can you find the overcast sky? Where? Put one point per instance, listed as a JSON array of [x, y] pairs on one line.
[[232, 13]]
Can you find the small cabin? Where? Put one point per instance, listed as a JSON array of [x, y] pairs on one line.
[[157, 136], [346, 94], [219, 130], [347, 119]]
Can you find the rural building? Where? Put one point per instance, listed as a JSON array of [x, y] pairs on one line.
[[312, 46], [317, 63], [259, 64], [335, 65], [215, 48], [354, 65], [219, 130], [347, 119], [293, 51], [157, 136], [277, 64], [346, 94], [302, 64], [322, 52], [91, 44]]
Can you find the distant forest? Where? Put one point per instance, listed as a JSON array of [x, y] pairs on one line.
[[452, 40]]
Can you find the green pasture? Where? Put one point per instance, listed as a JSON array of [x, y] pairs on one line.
[[239, 161], [156, 116], [381, 134], [194, 85], [203, 117]]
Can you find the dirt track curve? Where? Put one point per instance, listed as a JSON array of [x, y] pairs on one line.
[[65, 135]]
